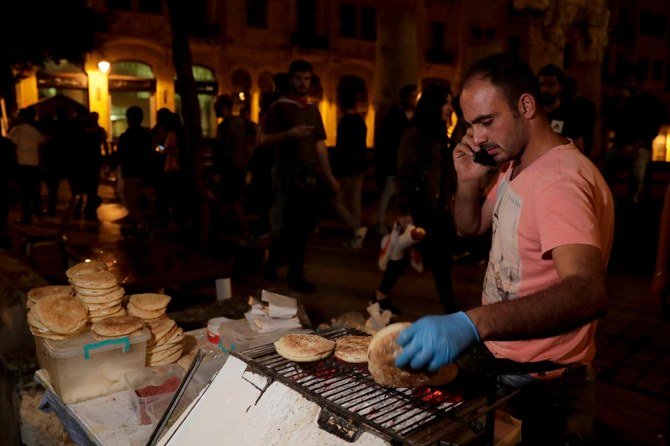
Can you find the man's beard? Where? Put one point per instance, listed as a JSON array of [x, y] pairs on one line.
[[547, 99]]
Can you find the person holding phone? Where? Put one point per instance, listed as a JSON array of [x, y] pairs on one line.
[[552, 218], [302, 175]]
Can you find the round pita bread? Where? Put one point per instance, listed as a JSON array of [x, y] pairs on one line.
[[38, 293], [35, 322], [104, 338], [120, 312], [96, 307], [150, 301], [162, 326], [52, 336], [85, 268], [169, 360], [61, 314], [304, 347], [352, 348], [381, 362], [87, 292], [176, 338], [117, 326], [102, 299], [162, 354], [98, 280], [161, 338], [144, 314], [104, 311]]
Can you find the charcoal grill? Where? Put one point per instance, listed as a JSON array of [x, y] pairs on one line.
[[352, 401]]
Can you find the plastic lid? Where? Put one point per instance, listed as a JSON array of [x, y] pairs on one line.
[[213, 324], [85, 344]]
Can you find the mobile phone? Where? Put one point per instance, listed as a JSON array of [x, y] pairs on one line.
[[484, 158]]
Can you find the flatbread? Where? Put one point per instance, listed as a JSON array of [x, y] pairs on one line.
[[150, 301], [88, 292], [159, 339], [96, 307], [176, 338], [168, 360], [304, 347], [121, 312], [104, 338], [162, 326], [52, 336], [85, 268], [117, 326], [157, 356], [144, 314], [38, 293], [352, 348], [104, 311], [114, 295], [98, 280], [381, 357], [61, 314]]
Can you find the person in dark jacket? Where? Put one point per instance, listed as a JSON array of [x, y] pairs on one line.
[[386, 151], [426, 184], [349, 165], [8, 172], [134, 154]]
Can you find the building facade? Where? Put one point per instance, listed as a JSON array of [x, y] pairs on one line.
[[237, 45]]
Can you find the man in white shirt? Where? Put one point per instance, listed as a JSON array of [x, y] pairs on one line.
[[27, 139]]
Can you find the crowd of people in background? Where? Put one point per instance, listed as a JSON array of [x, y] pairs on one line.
[[277, 177]]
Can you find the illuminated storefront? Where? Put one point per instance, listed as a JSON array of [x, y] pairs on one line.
[[131, 83]]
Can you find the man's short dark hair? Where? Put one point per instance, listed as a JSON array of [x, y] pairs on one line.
[[223, 101], [550, 70], [299, 66], [135, 115], [512, 76], [405, 91]]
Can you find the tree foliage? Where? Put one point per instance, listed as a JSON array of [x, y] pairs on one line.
[[34, 31]]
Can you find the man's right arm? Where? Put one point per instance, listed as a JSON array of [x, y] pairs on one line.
[[299, 131]]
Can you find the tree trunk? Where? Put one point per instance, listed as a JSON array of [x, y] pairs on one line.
[[186, 87]]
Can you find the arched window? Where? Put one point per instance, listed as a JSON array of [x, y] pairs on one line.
[[63, 78], [131, 83], [206, 88]]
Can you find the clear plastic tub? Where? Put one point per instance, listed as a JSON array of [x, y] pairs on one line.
[[82, 367], [152, 388]]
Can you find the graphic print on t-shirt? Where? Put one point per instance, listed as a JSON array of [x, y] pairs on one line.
[[503, 274]]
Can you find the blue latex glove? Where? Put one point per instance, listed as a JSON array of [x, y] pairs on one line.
[[434, 341]]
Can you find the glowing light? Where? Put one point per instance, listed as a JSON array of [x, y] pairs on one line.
[[242, 96], [104, 66], [661, 145]]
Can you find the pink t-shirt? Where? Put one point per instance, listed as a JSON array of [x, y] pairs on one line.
[[559, 199]]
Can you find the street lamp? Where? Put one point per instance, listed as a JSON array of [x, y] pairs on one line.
[[104, 66]]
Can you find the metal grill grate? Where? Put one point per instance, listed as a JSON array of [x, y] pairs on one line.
[[415, 416]]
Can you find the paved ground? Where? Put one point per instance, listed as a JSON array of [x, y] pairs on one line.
[[633, 364]]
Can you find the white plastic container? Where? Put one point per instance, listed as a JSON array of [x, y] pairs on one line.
[[81, 368]]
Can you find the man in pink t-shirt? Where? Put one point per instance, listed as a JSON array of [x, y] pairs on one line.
[[551, 215]]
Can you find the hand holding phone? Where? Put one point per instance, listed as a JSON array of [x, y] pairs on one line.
[[484, 158]]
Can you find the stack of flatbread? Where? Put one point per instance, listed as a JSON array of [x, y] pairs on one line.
[[101, 294], [166, 343], [148, 306], [38, 293], [117, 326], [57, 317]]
